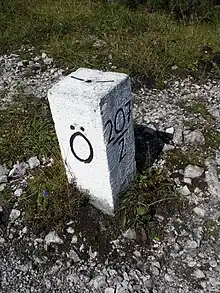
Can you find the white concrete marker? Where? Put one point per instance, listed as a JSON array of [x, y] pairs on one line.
[[92, 112]]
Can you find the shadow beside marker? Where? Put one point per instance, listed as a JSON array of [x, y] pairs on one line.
[[149, 145]]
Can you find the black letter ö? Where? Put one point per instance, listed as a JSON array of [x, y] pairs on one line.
[[89, 159]]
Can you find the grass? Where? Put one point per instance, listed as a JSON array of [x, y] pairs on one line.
[[179, 159], [50, 201], [27, 130], [137, 42]]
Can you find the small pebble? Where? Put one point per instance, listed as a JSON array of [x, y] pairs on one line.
[[200, 212], [199, 274], [33, 162]]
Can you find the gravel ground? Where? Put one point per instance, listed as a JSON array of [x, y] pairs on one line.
[[187, 259]]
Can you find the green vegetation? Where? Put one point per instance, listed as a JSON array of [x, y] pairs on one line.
[[26, 130], [49, 200], [199, 108], [182, 9], [150, 192], [79, 33], [179, 159]]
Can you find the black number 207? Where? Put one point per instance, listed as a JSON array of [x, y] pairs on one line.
[[116, 132]]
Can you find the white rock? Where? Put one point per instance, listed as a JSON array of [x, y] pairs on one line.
[[211, 177], [148, 282], [2, 240], [137, 253], [44, 55], [112, 272], [2, 186], [23, 268], [109, 290], [170, 130], [191, 244], [3, 170], [156, 264], [70, 230], [33, 162], [48, 61], [24, 230], [3, 179], [14, 215], [69, 223], [20, 64], [13, 171], [74, 256], [200, 212], [168, 278], [36, 59], [155, 271], [199, 274], [213, 282], [99, 282], [168, 147], [193, 171], [197, 190], [125, 276], [192, 264], [82, 247], [92, 255], [18, 170], [195, 138], [18, 192], [215, 113], [53, 237], [217, 157], [174, 67], [213, 263], [48, 284], [187, 180], [92, 112], [74, 239], [184, 190], [178, 135], [130, 234]]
